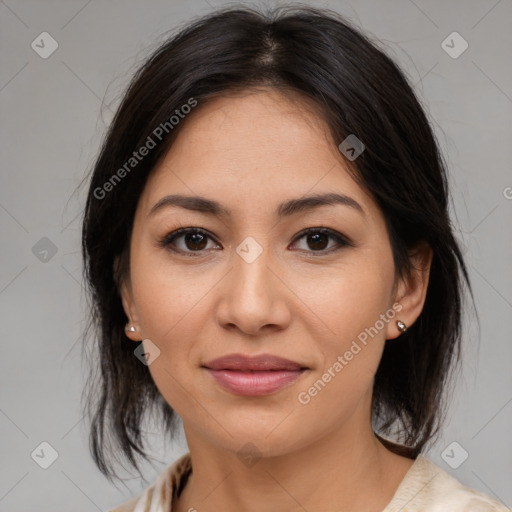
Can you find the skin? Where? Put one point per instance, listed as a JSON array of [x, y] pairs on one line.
[[251, 152]]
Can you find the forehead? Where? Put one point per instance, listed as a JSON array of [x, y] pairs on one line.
[[254, 123], [252, 148]]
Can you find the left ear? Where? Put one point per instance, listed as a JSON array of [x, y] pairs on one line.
[[411, 290]]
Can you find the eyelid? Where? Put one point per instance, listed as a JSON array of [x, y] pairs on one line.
[[342, 240], [166, 240]]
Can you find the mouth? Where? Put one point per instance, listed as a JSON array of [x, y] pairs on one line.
[[254, 376]]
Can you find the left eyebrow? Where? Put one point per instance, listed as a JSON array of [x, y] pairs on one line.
[[286, 209]]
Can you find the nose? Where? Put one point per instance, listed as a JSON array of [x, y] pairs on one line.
[[254, 298]]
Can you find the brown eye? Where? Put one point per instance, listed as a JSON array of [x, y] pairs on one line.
[[317, 240], [195, 241], [187, 240]]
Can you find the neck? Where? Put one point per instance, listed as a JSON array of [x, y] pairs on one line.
[[347, 465]]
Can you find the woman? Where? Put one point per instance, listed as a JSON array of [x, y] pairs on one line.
[[268, 221]]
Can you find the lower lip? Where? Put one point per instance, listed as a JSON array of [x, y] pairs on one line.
[[259, 383]]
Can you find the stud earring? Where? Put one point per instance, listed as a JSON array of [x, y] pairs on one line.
[[129, 328], [401, 326]]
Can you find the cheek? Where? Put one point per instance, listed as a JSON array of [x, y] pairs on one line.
[[166, 297], [351, 304], [350, 298], [173, 309]]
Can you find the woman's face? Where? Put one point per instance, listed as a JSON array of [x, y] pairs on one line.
[[252, 283]]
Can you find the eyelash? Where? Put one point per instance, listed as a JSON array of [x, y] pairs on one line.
[[167, 240]]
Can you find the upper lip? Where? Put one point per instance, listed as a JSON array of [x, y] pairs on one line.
[[263, 362]]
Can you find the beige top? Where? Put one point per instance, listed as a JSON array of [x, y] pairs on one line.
[[425, 488]]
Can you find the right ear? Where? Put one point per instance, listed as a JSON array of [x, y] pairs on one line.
[[123, 282]]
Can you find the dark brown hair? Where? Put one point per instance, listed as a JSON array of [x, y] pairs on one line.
[[357, 90]]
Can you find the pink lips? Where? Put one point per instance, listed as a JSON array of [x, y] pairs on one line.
[[253, 376]]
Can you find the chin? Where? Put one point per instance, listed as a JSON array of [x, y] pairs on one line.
[[269, 436]]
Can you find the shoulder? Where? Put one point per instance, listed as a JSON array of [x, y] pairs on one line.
[[160, 494], [427, 487]]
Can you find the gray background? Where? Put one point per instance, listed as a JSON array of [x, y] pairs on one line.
[[53, 114]]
